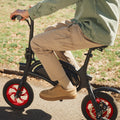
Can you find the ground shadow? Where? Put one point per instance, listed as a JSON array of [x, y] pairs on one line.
[[6, 113]]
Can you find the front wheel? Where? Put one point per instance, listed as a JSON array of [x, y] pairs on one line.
[[109, 108], [25, 96]]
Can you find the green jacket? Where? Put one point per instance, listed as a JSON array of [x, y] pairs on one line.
[[98, 19]]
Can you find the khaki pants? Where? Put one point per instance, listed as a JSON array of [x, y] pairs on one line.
[[57, 41]]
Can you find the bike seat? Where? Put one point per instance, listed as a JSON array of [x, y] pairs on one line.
[[101, 48]]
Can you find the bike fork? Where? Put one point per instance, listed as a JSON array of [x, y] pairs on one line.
[[24, 78]]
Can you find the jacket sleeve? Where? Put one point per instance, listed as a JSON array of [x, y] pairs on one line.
[[47, 7]]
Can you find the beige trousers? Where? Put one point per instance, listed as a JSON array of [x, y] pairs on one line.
[[56, 42]]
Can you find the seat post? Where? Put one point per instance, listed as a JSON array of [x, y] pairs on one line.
[[84, 78], [82, 72]]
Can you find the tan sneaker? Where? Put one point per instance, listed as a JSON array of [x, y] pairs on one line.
[[58, 93]]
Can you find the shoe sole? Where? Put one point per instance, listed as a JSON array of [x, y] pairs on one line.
[[57, 98]]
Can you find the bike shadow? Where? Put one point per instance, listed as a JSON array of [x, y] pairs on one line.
[[7, 113]]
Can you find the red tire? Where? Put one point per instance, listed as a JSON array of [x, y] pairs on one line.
[[88, 109], [25, 97]]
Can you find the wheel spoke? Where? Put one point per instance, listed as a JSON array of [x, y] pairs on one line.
[[12, 93], [13, 87], [24, 94], [22, 100]]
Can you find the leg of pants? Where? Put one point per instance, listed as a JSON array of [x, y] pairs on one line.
[[67, 57], [64, 55], [61, 39]]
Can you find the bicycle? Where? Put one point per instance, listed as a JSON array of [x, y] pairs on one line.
[[97, 105]]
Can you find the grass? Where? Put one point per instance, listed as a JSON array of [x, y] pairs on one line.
[[105, 66]]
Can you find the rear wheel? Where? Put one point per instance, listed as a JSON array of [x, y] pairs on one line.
[[25, 96], [106, 103]]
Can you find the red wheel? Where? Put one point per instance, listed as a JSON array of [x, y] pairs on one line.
[[11, 92], [25, 96], [102, 98]]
